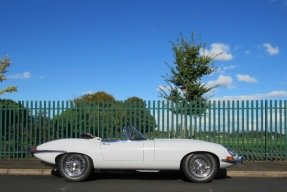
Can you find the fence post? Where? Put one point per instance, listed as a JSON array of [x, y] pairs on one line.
[[1, 130], [285, 131], [266, 127]]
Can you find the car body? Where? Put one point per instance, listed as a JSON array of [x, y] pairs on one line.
[[77, 158]]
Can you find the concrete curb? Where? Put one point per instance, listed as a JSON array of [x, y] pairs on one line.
[[46, 172], [25, 171], [275, 174]]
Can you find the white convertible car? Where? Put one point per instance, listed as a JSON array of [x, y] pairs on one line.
[[76, 159]]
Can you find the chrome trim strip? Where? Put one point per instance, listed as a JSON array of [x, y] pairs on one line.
[[46, 151], [113, 141]]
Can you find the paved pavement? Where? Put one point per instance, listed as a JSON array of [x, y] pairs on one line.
[[247, 169]]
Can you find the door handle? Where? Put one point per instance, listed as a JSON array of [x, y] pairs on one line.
[[106, 143]]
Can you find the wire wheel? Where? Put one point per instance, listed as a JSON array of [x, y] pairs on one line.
[[75, 167], [200, 168]]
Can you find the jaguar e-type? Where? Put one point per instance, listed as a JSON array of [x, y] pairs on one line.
[[77, 158]]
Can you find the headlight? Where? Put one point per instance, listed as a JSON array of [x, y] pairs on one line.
[[231, 152], [234, 158]]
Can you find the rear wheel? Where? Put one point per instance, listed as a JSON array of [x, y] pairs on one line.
[[200, 168], [75, 167]]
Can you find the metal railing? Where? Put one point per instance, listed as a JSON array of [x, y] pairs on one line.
[[256, 129]]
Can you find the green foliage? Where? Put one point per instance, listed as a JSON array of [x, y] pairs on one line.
[[13, 120], [184, 83], [11, 111], [99, 96], [4, 64], [101, 115], [138, 115]]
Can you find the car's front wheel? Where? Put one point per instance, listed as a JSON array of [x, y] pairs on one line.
[[75, 167], [199, 167]]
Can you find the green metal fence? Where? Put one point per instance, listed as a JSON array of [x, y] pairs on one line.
[[256, 129]]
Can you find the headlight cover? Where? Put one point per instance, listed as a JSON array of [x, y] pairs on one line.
[[231, 152]]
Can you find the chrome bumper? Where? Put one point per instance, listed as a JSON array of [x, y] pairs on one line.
[[238, 159]]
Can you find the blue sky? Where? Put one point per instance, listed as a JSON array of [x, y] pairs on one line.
[[62, 49]]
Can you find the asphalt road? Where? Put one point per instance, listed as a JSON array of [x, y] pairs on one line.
[[111, 182]]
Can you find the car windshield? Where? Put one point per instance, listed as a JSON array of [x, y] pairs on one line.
[[133, 134]]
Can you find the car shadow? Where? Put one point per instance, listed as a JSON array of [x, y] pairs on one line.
[[135, 175], [161, 175]]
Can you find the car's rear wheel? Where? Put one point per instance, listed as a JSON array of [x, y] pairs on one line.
[[199, 167], [75, 167]]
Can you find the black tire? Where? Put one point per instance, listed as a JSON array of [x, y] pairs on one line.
[[200, 167], [75, 167]]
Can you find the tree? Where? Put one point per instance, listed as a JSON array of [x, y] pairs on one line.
[[94, 113], [100, 114], [138, 115], [4, 64], [98, 96], [184, 84], [12, 114], [14, 120]]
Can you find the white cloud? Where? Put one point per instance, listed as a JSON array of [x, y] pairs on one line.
[[247, 52], [162, 88], [224, 81], [277, 94], [40, 77], [166, 88], [230, 67], [225, 68], [246, 78], [25, 75], [270, 49], [273, 94], [217, 48]]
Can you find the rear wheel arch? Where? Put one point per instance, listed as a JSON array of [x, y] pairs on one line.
[[59, 157]]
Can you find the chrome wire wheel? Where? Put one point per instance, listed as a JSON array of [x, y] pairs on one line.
[[75, 167], [200, 168]]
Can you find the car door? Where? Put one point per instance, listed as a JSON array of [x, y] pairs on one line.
[[122, 150]]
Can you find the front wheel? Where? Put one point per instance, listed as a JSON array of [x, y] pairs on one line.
[[200, 167], [75, 167]]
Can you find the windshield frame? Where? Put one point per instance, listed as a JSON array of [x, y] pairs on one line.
[[133, 134]]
